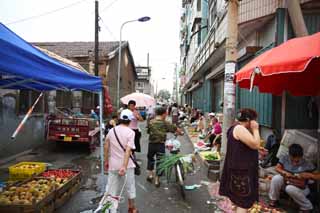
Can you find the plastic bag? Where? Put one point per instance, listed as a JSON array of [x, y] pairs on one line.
[[222, 202], [173, 144], [108, 203]]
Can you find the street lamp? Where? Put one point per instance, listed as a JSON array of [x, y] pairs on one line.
[[142, 19]]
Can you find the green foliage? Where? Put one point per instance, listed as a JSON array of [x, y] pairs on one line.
[[164, 94]]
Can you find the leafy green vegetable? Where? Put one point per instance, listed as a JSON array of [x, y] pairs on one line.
[[187, 167], [106, 207], [211, 157], [167, 162]]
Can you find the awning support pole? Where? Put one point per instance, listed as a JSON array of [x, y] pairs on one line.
[[283, 112], [101, 133], [14, 83]]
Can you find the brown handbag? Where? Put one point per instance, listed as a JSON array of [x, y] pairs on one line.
[[300, 183]]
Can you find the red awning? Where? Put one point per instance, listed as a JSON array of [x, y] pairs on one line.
[[293, 66]]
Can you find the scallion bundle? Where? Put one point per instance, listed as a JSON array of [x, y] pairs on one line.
[[167, 162]]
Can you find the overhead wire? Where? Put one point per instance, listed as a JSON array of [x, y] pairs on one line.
[[104, 23], [46, 13], [109, 5], [107, 28], [63, 8]]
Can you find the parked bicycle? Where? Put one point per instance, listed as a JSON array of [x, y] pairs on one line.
[[175, 162]]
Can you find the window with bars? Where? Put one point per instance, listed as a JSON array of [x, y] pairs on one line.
[[64, 99]]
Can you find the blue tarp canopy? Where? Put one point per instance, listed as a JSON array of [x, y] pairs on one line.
[[23, 66]]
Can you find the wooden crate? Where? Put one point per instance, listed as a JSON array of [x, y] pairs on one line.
[[52, 201], [66, 195], [69, 184], [46, 205]]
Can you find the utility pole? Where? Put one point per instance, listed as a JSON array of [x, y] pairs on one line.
[[96, 45], [149, 77], [156, 89], [230, 69], [176, 73]]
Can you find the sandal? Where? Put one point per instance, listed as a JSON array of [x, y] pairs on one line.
[[157, 182], [133, 210], [150, 179]]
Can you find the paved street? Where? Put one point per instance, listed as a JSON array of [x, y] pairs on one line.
[[167, 198], [149, 198]]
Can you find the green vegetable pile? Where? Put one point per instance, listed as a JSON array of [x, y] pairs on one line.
[[211, 157]]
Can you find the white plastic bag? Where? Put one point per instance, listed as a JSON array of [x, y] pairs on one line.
[[173, 144]]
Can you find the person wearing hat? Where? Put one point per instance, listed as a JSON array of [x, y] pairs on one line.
[[118, 162], [210, 121]]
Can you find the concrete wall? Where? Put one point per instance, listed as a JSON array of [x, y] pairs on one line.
[[128, 77], [145, 86], [32, 135]]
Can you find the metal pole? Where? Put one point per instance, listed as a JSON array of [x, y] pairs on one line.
[[96, 39], [96, 46], [157, 89], [119, 62], [101, 132], [283, 112], [176, 73], [230, 68]]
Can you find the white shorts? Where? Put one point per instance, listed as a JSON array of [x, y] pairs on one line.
[[115, 183]]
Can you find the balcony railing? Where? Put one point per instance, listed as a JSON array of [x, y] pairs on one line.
[[249, 10], [253, 9], [215, 36]]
